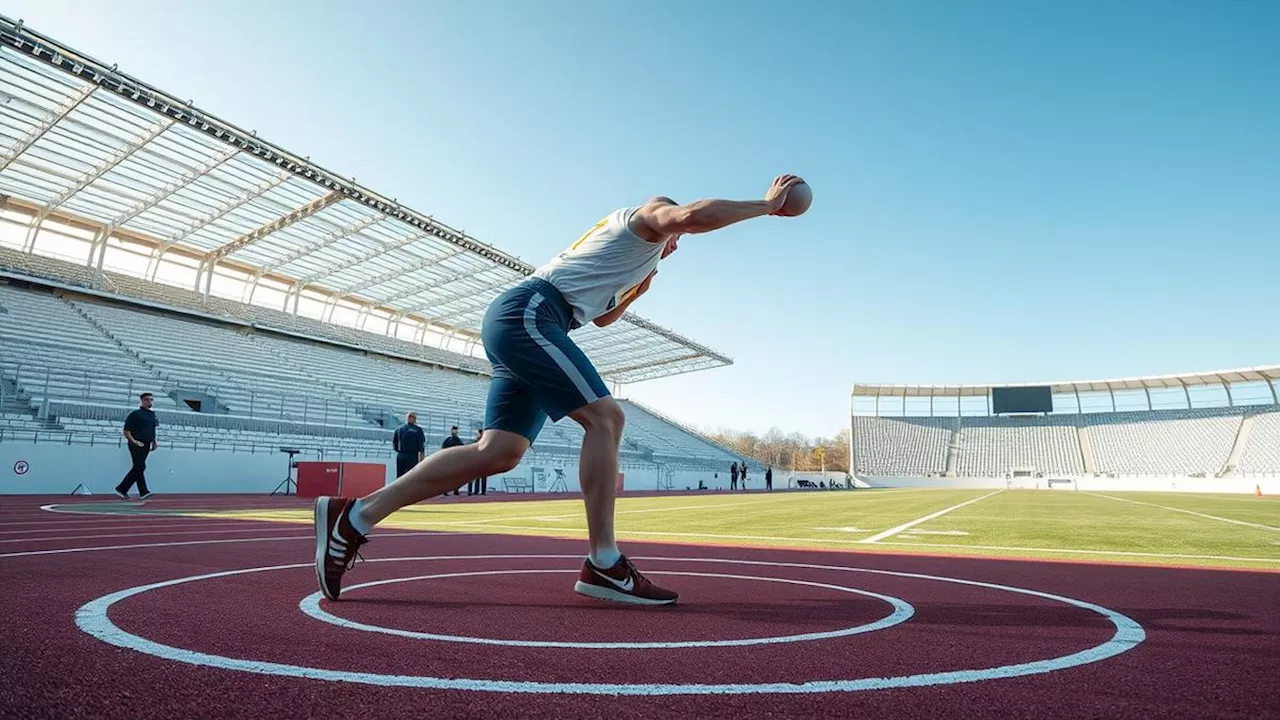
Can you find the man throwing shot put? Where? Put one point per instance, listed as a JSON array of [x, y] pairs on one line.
[[538, 372]]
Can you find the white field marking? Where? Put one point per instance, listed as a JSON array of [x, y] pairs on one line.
[[1189, 512], [841, 529], [907, 525], [935, 532], [96, 548], [147, 534], [826, 541], [76, 527], [1171, 556]]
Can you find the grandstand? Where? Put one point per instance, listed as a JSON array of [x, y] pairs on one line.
[[146, 244], [1106, 433]]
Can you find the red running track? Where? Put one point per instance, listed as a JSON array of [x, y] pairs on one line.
[[1211, 647]]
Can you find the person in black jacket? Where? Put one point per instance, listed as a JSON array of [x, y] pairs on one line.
[[140, 432], [452, 441], [410, 444], [481, 484]]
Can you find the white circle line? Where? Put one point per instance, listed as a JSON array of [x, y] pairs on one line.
[[902, 611], [93, 619]]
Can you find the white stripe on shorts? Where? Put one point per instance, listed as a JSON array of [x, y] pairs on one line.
[[566, 365]]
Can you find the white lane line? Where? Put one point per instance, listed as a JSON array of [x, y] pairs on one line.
[[485, 522], [935, 532], [147, 534], [1189, 512], [1171, 556], [905, 526], [185, 525], [647, 533], [98, 548]]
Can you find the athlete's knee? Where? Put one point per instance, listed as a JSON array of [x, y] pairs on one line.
[[604, 415], [501, 451]]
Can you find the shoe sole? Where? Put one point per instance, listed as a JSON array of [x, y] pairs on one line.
[[322, 543], [604, 593]]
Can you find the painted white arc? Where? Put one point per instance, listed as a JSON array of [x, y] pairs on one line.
[[895, 530], [93, 618], [901, 612]]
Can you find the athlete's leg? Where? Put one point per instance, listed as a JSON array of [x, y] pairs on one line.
[[497, 452], [602, 422], [512, 421]]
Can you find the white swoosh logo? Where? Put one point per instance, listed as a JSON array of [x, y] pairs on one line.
[[625, 585]]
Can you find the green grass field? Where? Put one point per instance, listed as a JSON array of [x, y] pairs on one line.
[[1236, 531]]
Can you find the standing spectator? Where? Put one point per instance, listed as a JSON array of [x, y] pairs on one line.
[[733, 476], [768, 478], [481, 484], [140, 431], [744, 474], [410, 444], [452, 441]]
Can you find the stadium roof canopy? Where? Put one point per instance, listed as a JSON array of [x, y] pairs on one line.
[[83, 143], [1267, 373]]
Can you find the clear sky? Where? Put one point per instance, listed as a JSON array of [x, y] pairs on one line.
[[1004, 191]]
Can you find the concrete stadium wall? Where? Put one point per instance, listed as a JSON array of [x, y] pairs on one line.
[[49, 468], [1268, 485]]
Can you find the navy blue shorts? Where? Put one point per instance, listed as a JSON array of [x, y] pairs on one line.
[[538, 372]]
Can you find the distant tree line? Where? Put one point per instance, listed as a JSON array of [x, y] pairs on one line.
[[789, 451]]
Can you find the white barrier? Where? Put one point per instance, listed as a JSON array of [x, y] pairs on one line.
[[49, 468], [1164, 483]]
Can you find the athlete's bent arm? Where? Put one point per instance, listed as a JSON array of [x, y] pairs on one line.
[[659, 219], [610, 317]]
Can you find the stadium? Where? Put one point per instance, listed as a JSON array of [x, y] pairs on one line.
[[1085, 548]]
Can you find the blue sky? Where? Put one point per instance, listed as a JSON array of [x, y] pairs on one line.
[[1004, 191]]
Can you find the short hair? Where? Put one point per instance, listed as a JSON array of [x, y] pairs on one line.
[[144, 396], [663, 199], [455, 427]]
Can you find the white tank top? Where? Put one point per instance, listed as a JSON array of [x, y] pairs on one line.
[[603, 267]]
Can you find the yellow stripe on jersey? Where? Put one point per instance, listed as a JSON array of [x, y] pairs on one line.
[[587, 234]]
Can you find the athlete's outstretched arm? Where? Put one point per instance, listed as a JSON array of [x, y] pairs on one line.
[[656, 220]]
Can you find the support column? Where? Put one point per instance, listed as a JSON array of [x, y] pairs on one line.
[[1231, 402], [1112, 392], [1147, 390], [1275, 400], [1079, 404]]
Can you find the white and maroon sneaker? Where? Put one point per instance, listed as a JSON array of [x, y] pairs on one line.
[[621, 583], [337, 543]]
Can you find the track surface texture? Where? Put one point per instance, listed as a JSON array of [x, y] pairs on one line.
[[498, 631]]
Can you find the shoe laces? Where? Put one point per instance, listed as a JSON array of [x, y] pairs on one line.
[[631, 568], [351, 562]]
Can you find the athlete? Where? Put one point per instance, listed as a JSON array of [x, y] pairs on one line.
[[538, 372]]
